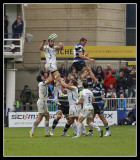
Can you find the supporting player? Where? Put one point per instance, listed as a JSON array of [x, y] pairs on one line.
[[99, 103], [42, 104], [50, 54], [79, 57], [87, 99], [74, 109], [62, 110]]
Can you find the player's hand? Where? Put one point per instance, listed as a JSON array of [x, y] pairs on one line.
[[86, 54], [61, 44], [92, 60], [62, 80], [44, 40]]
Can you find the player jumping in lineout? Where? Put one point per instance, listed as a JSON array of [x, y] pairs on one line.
[[50, 54]]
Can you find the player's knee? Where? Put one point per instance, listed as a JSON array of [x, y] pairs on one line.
[[58, 114]]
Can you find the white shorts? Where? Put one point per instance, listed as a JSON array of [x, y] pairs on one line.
[[51, 66], [87, 112], [42, 107], [74, 111]]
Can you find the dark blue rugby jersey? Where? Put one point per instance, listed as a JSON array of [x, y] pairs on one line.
[[78, 48], [63, 99], [97, 91]]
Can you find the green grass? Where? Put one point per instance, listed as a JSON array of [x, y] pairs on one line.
[[18, 143]]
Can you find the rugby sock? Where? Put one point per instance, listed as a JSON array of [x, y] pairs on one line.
[[93, 125], [79, 125], [83, 128], [106, 127], [55, 122], [47, 127], [91, 131], [67, 126], [34, 126], [74, 126]]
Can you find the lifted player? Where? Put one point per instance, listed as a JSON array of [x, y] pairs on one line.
[[50, 54], [79, 57]]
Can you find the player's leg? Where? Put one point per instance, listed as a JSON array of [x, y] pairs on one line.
[[67, 126], [94, 125], [79, 126], [55, 121], [36, 123], [47, 125], [102, 117]]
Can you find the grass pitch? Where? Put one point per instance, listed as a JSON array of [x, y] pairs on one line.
[[18, 143]]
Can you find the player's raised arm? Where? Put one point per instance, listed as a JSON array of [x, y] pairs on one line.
[[60, 46], [92, 75], [85, 57], [42, 45], [66, 85]]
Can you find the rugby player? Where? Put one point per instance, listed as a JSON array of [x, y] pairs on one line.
[[42, 104], [74, 109], [50, 54], [62, 110], [79, 57], [87, 98], [99, 103]]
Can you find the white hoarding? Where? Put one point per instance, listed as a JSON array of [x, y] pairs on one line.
[[26, 119]]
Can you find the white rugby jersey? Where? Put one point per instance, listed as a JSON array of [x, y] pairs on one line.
[[50, 54], [72, 95], [43, 91], [86, 95]]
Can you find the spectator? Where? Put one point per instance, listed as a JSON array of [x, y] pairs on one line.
[[63, 71], [124, 70], [108, 69], [121, 91], [132, 116], [17, 105], [130, 85], [99, 72], [26, 96], [121, 82], [110, 79], [134, 77], [111, 91], [121, 102], [5, 28], [17, 29]]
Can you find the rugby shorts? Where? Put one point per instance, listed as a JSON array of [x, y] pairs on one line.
[[79, 64], [42, 107], [51, 66], [74, 111], [87, 112], [98, 107]]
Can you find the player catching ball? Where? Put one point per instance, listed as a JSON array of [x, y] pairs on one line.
[[50, 54]]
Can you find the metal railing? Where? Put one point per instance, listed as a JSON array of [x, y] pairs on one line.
[[110, 104]]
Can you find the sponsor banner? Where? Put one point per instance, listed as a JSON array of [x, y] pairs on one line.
[[111, 117], [122, 114], [99, 52], [26, 119]]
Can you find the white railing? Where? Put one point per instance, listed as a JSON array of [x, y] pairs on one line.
[[119, 103], [8, 50]]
